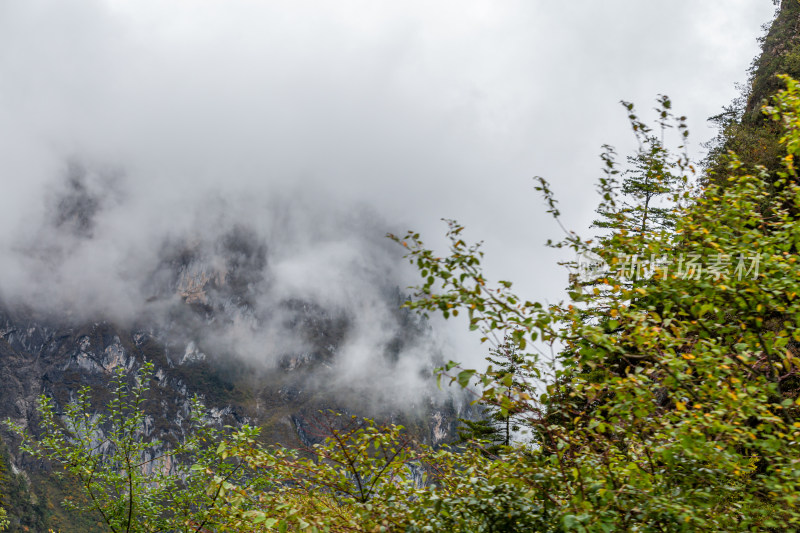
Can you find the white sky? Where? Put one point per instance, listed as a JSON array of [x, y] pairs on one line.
[[419, 109]]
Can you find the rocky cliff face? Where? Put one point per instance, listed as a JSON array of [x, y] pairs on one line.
[[39, 356], [221, 315]]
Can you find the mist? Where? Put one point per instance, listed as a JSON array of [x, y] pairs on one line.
[[248, 158], [271, 282]]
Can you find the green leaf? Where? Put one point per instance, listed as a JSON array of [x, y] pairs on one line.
[[464, 376]]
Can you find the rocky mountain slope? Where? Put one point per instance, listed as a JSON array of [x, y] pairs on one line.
[[218, 320]]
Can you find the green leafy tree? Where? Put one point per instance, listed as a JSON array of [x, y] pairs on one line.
[[361, 478], [675, 402], [643, 200], [367, 478], [135, 482], [499, 426]]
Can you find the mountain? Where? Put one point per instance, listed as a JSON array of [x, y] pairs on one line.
[[744, 129], [229, 312]]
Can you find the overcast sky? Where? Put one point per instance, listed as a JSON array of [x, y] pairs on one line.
[[419, 109]]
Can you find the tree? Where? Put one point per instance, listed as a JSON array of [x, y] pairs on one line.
[[498, 426], [633, 205], [133, 480], [675, 401]]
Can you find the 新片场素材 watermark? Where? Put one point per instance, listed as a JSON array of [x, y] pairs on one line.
[[591, 266]]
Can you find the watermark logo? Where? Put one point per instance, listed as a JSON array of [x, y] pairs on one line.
[[591, 267], [630, 267]]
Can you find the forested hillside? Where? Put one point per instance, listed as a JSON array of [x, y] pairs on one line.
[[744, 129]]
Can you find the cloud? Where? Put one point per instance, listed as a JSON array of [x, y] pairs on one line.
[[267, 124], [272, 282]]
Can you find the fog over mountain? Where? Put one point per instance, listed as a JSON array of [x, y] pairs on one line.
[[151, 150], [254, 278], [207, 185]]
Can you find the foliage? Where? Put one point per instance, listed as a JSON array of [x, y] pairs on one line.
[[130, 478], [667, 391], [497, 428], [668, 398], [331, 487], [669, 402], [633, 203], [21, 508], [744, 130], [366, 478]]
